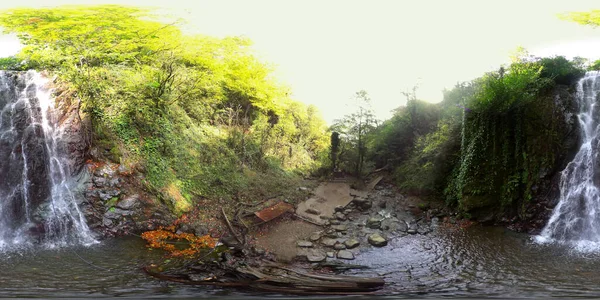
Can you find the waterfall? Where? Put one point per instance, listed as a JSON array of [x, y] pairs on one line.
[[575, 220], [36, 202]]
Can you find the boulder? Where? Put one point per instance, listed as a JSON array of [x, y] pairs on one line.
[[345, 254], [339, 246], [374, 222], [377, 240], [351, 243]]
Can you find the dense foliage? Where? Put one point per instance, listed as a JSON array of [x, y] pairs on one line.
[[200, 116], [488, 144]]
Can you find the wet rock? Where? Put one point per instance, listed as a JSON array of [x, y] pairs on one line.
[[304, 244], [423, 230], [107, 222], [327, 242], [230, 241], [351, 243], [374, 222], [339, 246], [129, 202], [340, 216], [398, 226], [339, 227], [312, 211], [383, 204], [362, 203], [412, 229], [377, 240], [345, 254], [99, 181]]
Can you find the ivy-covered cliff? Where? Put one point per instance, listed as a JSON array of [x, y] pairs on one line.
[[493, 148]]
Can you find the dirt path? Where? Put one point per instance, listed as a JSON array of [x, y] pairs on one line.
[[280, 237]]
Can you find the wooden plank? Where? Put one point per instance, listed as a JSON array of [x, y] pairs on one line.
[[274, 211]]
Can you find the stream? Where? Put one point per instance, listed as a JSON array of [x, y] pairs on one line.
[[449, 262]]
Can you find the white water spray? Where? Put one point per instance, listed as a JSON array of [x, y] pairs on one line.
[[36, 202], [575, 221]]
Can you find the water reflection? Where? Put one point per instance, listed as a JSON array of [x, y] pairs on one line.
[[478, 261]]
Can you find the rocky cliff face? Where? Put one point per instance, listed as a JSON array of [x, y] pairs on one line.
[[110, 195]]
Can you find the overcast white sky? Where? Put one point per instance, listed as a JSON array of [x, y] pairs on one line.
[[326, 50]]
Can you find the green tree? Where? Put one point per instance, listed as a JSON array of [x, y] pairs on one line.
[[355, 129]]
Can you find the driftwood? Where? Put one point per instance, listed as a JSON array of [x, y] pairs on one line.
[[271, 277], [231, 227]]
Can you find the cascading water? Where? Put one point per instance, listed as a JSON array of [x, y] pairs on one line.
[[35, 197], [576, 219]]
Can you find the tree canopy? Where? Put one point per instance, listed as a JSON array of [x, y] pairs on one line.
[[200, 114]]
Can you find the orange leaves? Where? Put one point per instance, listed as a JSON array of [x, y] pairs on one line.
[[177, 244]]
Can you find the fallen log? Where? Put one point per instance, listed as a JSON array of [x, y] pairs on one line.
[[269, 276]]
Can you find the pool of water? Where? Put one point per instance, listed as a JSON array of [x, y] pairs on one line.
[[482, 261], [109, 269], [451, 262]]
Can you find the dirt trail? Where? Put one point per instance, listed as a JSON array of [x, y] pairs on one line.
[[280, 237], [327, 196]]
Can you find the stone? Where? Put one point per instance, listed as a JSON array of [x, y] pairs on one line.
[[330, 254], [304, 244], [129, 202], [363, 203], [339, 246], [327, 242], [423, 230], [374, 222], [99, 181], [347, 211], [412, 229], [339, 227], [345, 254], [334, 222], [351, 243], [316, 256], [323, 217], [314, 237], [312, 211], [383, 204], [338, 208], [124, 170], [107, 222], [340, 216], [377, 240]]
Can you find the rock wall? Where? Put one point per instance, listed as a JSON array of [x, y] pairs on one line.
[[111, 195]]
